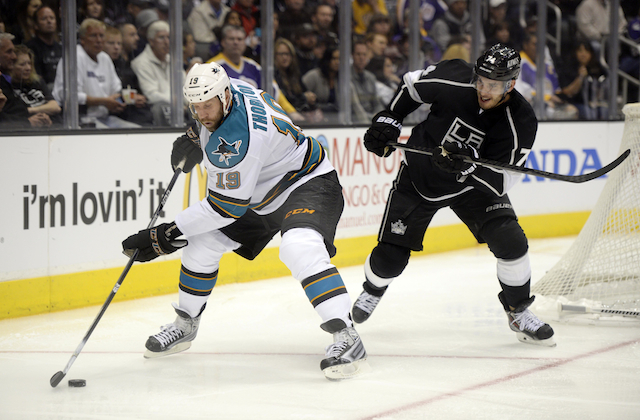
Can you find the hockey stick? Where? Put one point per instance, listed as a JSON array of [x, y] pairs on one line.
[[521, 169], [57, 377], [588, 310]]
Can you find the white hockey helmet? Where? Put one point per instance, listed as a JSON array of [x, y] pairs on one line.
[[206, 81]]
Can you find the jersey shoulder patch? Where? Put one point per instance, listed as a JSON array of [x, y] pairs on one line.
[[228, 145]]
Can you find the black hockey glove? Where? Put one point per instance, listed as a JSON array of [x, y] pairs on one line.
[[385, 128], [152, 243], [186, 147], [446, 160]]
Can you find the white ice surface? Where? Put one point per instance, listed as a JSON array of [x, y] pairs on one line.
[[438, 344]]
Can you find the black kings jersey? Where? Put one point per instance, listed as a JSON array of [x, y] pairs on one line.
[[505, 133]]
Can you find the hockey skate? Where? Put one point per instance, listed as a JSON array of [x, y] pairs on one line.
[[174, 337], [366, 303], [346, 357], [529, 329]]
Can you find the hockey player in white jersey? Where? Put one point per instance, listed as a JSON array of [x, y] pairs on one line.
[[264, 176]]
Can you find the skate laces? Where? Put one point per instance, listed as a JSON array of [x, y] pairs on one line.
[[340, 345], [168, 334], [526, 320], [367, 302]]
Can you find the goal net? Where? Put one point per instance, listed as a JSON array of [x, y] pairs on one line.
[[600, 273]]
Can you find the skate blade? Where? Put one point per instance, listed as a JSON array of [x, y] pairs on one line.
[[175, 349], [548, 342], [347, 370]]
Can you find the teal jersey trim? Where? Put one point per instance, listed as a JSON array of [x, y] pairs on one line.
[[228, 145]]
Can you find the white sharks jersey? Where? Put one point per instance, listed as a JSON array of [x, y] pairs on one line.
[[254, 160]]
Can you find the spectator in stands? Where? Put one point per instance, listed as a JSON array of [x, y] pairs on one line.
[[92, 9], [162, 8], [376, 44], [15, 113], [511, 30], [130, 39], [189, 57], [363, 80], [289, 80], [134, 7], [98, 84], [232, 18], [3, 29], [323, 81], [46, 46], [455, 21], [630, 57], [555, 107], [322, 20], [7, 55], [584, 82], [380, 24], [502, 34], [305, 41], [144, 19], [137, 109], [24, 27], [153, 69], [592, 19], [363, 11], [386, 80], [459, 48], [232, 42], [202, 20], [31, 88], [295, 14], [249, 14], [430, 10]]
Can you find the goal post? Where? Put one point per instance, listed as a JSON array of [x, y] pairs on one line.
[[599, 276]]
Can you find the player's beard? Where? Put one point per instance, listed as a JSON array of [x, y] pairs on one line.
[[214, 122]]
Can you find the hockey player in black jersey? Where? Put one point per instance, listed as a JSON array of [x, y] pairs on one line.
[[475, 111]]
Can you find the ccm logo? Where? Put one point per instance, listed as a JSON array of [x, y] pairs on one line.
[[299, 211]]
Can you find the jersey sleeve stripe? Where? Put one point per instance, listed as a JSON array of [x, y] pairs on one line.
[[227, 206]]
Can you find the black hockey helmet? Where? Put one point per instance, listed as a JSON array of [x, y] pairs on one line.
[[498, 63]]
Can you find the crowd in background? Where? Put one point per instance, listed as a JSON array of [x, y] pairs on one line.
[[124, 64]]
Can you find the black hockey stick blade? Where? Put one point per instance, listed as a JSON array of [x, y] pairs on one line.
[[577, 179], [56, 378]]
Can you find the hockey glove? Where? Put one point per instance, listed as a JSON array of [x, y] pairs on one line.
[[447, 160], [385, 128], [152, 243], [187, 148]]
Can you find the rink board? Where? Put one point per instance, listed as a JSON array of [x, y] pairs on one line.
[[69, 201]]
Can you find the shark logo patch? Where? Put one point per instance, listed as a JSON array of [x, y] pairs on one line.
[[226, 151]]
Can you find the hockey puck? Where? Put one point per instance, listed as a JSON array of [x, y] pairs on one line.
[[77, 383]]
